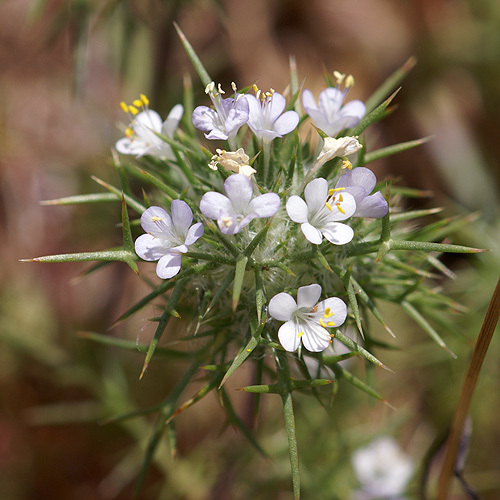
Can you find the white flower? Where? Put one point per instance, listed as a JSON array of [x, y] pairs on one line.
[[318, 215], [168, 237], [234, 161], [307, 320], [234, 211], [266, 117], [383, 470], [142, 135], [333, 148]]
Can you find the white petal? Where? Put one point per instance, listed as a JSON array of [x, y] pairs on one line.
[[359, 176], [204, 118], [311, 233], [148, 120], [195, 232], [315, 194], [329, 102], [308, 101], [157, 222], [315, 338], [148, 247], [286, 123], [337, 233], [354, 109], [308, 296], [296, 209], [289, 336], [276, 106], [336, 307], [282, 306], [127, 146], [212, 204], [239, 189], [168, 266], [372, 206], [347, 204], [172, 121], [182, 216], [265, 205]]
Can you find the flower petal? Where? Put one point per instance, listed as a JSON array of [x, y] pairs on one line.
[[172, 122], [359, 176], [156, 221], [204, 118], [374, 205], [337, 233], [212, 204], [308, 101], [276, 104], [147, 120], [337, 310], [132, 146], [265, 205], [286, 123], [329, 102], [195, 232], [168, 266], [315, 338], [354, 110], [311, 233], [182, 217], [296, 209], [308, 296], [315, 194], [239, 190], [148, 247], [282, 306], [345, 202], [289, 336]]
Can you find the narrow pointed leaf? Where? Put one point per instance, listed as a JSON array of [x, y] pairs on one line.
[[393, 150], [427, 246], [83, 199], [105, 255], [131, 202], [128, 242], [241, 264], [240, 358]]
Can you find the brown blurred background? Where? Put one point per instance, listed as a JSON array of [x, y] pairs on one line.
[[65, 66]]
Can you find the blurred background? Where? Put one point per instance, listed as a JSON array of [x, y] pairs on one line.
[[65, 66]]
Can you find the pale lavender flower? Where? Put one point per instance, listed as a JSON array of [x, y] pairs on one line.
[[318, 216], [224, 121], [329, 114], [266, 117], [142, 136], [360, 182], [383, 470], [307, 320], [239, 207], [168, 237]]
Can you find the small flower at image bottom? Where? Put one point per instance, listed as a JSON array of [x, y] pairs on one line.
[[307, 320]]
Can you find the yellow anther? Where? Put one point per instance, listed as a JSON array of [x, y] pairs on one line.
[[272, 91], [331, 336], [327, 205], [255, 88], [339, 77], [341, 198], [209, 88], [257, 94], [339, 189], [133, 110], [331, 191], [249, 350], [156, 218], [144, 100], [341, 210], [322, 323], [219, 89], [226, 221], [349, 81], [233, 86], [300, 334], [330, 323], [137, 103], [124, 107], [346, 164], [129, 132], [327, 313]]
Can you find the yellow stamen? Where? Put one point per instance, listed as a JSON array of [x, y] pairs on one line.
[[339, 189], [331, 191], [209, 88], [327, 313], [341, 210], [124, 107], [156, 219], [129, 132], [339, 77], [219, 89], [255, 88], [322, 323], [233, 86], [327, 205], [349, 81], [133, 110], [341, 198], [330, 323], [226, 221], [346, 164], [144, 100], [137, 103], [332, 335], [300, 334]]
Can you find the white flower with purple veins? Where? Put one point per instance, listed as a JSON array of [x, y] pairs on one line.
[[383, 470], [318, 216], [307, 320], [360, 182], [168, 237], [234, 211], [266, 117], [329, 114], [142, 136], [224, 121]]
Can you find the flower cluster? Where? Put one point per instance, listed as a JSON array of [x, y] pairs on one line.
[[326, 203]]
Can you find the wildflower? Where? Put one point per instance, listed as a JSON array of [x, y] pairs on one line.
[[168, 237], [234, 161], [318, 215], [266, 117], [360, 182], [229, 114], [329, 114], [239, 207], [306, 319], [383, 470], [142, 136], [332, 148]]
